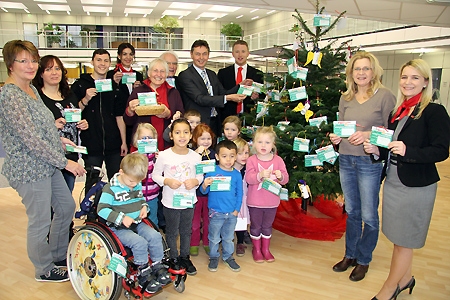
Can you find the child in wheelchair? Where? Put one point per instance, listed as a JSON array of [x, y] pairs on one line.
[[123, 207]]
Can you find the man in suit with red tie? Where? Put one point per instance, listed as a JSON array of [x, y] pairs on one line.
[[234, 74], [201, 90]]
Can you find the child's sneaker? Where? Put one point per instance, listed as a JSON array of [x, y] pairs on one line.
[[159, 271], [54, 275], [61, 264], [152, 287], [194, 250], [240, 250], [206, 249], [186, 263], [231, 263], [213, 264]]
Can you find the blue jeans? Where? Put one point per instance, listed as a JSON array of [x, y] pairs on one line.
[[69, 178], [147, 241], [221, 227], [360, 181]]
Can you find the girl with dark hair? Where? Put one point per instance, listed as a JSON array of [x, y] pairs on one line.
[[51, 83]]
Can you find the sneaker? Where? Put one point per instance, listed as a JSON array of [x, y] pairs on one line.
[[213, 264], [194, 250], [54, 275], [152, 287], [206, 249], [175, 264], [247, 238], [186, 263], [231, 263], [240, 250], [159, 271], [61, 264]]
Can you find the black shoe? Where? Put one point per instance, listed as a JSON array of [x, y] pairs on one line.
[[151, 286], [61, 263], [359, 272], [54, 275], [344, 264], [159, 271], [175, 264], [411, 284], [186, 263], [394, 296]]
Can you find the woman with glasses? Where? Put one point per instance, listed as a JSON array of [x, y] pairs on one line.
[[34, 158], [420, 140], [166, 95], [51, 83], [125, 78], [368, 103]]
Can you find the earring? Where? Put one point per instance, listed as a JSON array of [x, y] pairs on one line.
[[424, 86]]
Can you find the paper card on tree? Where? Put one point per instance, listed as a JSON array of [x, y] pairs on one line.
[[257, 87], [103, 85], [301, 73], [205, 166], [318, 121], [292, 65], [262, 107], [331, 161], [322, 20], [271, 186], [128, 77], [275, 94], [220, 183], [72, 114], [147, 146], [147, 98], [326, 153], [245, 90], [76, 149], [282, 125], [301, 145], [381, 136], [312, 161], [183, 200], [220, 138], [241, 224], [118, 264], [284, 194], [344, 128], [297, 93]]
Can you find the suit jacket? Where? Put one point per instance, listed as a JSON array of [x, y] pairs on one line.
[[427, 142], [227, 77], [193, 91]]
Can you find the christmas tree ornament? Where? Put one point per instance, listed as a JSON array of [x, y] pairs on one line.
[[314, 57], [306, 194]]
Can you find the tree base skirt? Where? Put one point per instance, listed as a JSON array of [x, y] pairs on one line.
[[328, 224]]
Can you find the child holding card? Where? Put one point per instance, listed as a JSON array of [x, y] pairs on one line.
[[175, 172], [224, 187], [262, 202], [145, 133], [203, 139]]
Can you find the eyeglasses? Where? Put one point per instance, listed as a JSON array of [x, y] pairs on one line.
[[364, 69], [172, 63], [26, 61]]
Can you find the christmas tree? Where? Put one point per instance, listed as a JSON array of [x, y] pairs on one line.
[[311, 90]]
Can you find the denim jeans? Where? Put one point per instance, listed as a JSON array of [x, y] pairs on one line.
[[360, 181], [221, 227], [69, 178], [147, 241]]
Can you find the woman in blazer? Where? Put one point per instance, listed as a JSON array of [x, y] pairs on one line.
[[421, 138]]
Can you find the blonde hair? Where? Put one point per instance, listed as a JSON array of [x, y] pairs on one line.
[[141, 126], [424, 70], [158, 60], [233, 119], [375, 82], [135, 165], [240, 143], [265, 130]]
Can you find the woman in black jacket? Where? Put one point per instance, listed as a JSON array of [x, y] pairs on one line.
[[421, 138]]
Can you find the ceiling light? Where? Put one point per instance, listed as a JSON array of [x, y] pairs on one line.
[[12, 5], [107, 14], [197, 18], [68, 12], [252, 11], [180, 17], [254, 18], [182, 5], [26, 10], [137, 11], [88, 13], [4, 9], [126, 15], [52, 7], [52, 1], [47, 11], [223, 8], [212, 15], [213, 19], [170, 12], [145, 16], [97, 2], [240, 16], [142, 3], [270, 12], [97, 9]]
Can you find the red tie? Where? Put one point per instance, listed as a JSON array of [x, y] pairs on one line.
[[239, 80]]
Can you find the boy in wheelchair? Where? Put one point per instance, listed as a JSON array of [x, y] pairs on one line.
[[123, 207]]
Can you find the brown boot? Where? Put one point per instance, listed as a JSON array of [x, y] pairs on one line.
[[344, 264], [359, 272]]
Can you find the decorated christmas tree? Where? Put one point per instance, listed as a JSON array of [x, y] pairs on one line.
[[302, 105]]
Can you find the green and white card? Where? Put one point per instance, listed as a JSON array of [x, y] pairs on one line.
[[72, 114], [301, 73], [220, 183], [282, 125], [245, 90], [381, 136], [147, 146], [205, 166], [77, 149], [257, 87], [128, 77], [312, 161], [148, 98], [275, 95], [183, 200], [297, 93], [326, 153], [301, 145], [284, 194], [344, 128], [103, 85], [271, 186], [318, 121], [322, 20], [292, 65], [118, 264]]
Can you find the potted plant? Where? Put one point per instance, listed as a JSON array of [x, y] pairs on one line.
[[53, 34], [232, 32], [87, 40], [166, 25]]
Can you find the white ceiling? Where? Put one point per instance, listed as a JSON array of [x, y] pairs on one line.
[[399, 11]]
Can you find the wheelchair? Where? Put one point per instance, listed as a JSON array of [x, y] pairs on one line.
[[91, 251]]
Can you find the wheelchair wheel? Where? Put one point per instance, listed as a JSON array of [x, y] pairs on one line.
[[88, 255]]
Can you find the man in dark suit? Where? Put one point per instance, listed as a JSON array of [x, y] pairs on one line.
[[230, 76], [201, 90]]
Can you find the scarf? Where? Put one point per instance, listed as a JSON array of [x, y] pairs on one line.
[[122, 69], [403, 109]]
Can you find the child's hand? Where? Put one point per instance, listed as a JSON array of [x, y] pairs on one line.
[[200, 149], [59, 123], [176, 115], [235, 213], [172, 183], [127, 221], [264, 174], [143, 213], [207, 182], [189, 184], [277, 174]]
